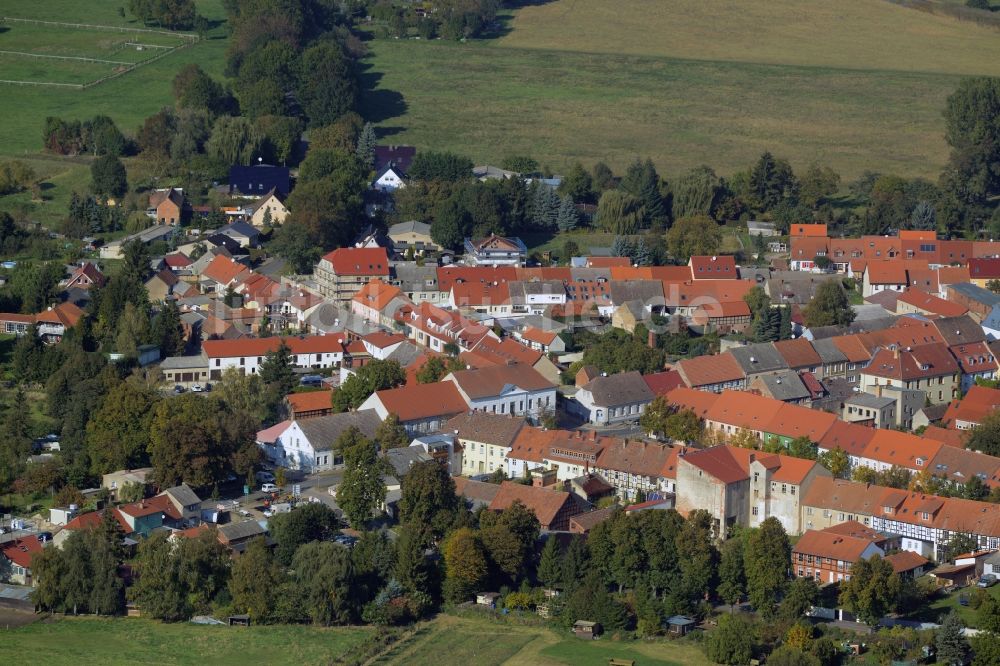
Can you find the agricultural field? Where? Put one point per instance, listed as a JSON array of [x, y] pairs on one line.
[[128, 99], [850, 84], [100, 641]]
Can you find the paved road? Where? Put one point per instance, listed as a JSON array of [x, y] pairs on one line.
[[313, 485]]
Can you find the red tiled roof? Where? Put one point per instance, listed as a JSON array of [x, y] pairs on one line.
[[310, 401], [359, 261], [921, 362], [22, 550], [953, 438], [223, 270], [798, 353], [931, 304], [608, 262], [821, 543], [972, 408], [709, 370], [450, 275], [177, 260], [807, 230], [377, 294], [886, 272], [906, 560], [662, 383], [421, 401], [848, 437], [490, 381], [795, 421], [533, 334], [899, 448], [545, 503], [719, 462], [719, 267], [700, 402], [744, 410], [310, 344]]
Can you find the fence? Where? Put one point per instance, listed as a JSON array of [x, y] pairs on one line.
[[123, 67], [111, 28]]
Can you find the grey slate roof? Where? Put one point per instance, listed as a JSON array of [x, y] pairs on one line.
[[323, 431], [870, 401], [866, 326], [647, 291], [761, 357], [828, 351], [240, 531], [405, 354], [184, 362], [486, 428], [960, 330], [976, 293], [624, 388], [412, 277], [410, 226], [183, 494], [785, 386], [402, 459]]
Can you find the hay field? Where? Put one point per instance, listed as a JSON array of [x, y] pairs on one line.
[[855, 84]]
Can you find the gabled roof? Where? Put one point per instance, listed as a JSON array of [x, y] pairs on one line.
[[899, 448], [807, 230], [223, 270], [785, 386], [308, 344], [919, 363], [699, 402], [976, 404], [619, 389], [662, 383], [491, 381], [756, 358], [821, 543], [22, 550], [886, 272], [798, 353], [905, 560], [246, 529], [477, 491], [710, 370], [795, 421], [544, 503], [310, 401], [323, 431], [359, 261], [720, 267], [931, 304], [635, 457], [744, 410], [416, 402], [849, 437], [718, 462], [532, 334], [485, 428]]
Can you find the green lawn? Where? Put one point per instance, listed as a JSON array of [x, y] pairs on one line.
[[60, 177], [128, 99], [940, 607], [84, 641]]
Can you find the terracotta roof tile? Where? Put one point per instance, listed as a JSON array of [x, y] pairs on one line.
[[422, 401], [359, 261]]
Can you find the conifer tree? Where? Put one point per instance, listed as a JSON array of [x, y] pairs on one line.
[[567, 218], [366, 146]]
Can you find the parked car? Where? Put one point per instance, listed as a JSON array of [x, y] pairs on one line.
[[264, 476], [989, 580], [311, 380], [44, 536], [178, 389], [269, 488], [197, 388]]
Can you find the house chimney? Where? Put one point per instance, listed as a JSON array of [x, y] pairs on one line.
[[753, 457], [895, 354], [651, 340]]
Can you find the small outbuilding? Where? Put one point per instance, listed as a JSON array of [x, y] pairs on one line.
[[587, 630], [239, 620], [488, 599], [679, 625]]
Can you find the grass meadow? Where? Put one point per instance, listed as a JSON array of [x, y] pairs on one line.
[[485, 642], [856, 84], [127, 99], [101, 641]]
